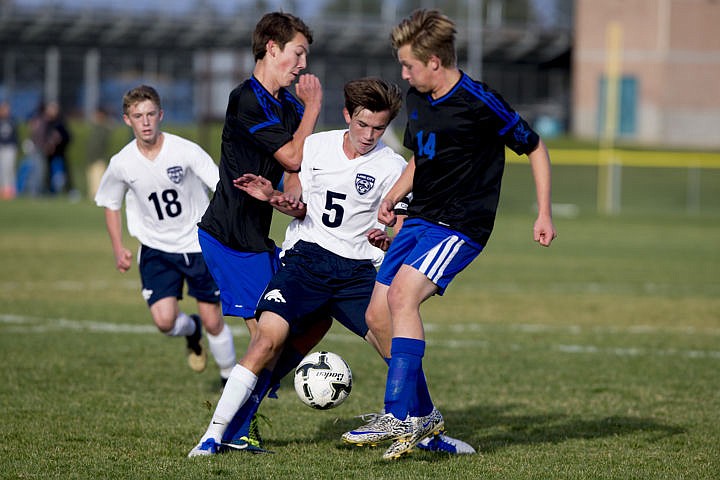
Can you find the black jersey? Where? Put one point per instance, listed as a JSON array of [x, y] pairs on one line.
[[459, 145], [256, 126]]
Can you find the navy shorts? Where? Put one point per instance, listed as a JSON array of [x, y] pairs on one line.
[[163, 274], [242, 276], [313, 279], [437, 252]]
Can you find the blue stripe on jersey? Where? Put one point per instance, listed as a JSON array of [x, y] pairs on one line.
[[475, 88], [264, 99], [298, 106], [436, 260]]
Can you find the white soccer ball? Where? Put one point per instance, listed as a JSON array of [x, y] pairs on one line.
[[323, 380]]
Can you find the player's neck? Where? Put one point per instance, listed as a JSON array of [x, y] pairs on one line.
[[151, 150], [263, 75], [446, 80]]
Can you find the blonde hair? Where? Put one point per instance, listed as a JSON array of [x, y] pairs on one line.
[[428, 32]]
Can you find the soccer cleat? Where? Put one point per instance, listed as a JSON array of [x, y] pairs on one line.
[[245, 444], [381, 428], [254, 428], [422, 427], [208, 447], [444, 443], [197, 355], [253, 441]]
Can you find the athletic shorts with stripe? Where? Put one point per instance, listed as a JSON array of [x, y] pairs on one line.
[[437, 252]]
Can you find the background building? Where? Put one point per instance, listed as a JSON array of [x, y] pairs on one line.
[[669, 70]]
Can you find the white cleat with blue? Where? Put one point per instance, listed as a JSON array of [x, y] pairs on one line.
[[444, 443], [203, 449]]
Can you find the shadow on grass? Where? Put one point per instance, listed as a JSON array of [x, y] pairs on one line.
[[492, 428]]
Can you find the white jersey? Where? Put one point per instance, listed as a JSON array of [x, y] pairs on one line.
[[343, 195], [164, 197]]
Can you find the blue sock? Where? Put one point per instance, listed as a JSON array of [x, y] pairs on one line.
[[289, 359], [240, 424], [401, 386], [424, 404]]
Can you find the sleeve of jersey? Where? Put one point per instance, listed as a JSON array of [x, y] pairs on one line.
[[514, 130], [262, 122], [521, 139], [205, 168], [111, 190]]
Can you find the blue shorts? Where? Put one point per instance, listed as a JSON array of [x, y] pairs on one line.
[[163, 274], [241, 276], [437, 252], [313, 280]]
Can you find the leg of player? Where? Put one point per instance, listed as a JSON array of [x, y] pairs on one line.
[[263, 349], [408, 290], [380, 336], [242, 433], [219, 336], [174, 323]]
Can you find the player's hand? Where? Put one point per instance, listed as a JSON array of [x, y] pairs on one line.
[[544, 231], [289, 204], [379, 238], [255, 185], [386, 213], [123, 259], [309, 90]]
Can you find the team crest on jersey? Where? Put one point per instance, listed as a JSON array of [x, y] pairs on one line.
[[364, 183], [521, 133], [176, 174]]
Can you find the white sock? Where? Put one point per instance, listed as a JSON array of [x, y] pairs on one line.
[[223, 350], [239, 386], [184, 326]]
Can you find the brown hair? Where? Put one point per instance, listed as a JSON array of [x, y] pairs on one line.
[[374, 94], [280, 27], [428, 32], [140, 94]]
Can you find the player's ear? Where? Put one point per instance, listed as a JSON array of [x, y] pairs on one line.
[[434, 63], [126, 119], [271, 48], [161, 115], [347, 116]]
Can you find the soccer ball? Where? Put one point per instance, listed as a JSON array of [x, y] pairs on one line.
[[323, 380]]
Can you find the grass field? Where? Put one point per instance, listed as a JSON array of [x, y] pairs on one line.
[[598, 358]]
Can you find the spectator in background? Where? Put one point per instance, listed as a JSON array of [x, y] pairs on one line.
[[32, 171], [8, 152], [96, 150], [57, 138]]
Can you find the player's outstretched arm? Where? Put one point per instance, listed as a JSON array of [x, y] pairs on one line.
[[256, 186], [260, 188], [289, 205], [543, 230], [123, 256]]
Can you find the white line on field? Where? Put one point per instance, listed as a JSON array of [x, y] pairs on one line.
[[10, 323]]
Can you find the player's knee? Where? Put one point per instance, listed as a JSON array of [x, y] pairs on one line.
[[164, 323], [397, 300]]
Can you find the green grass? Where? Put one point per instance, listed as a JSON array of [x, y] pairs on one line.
[[595, 358]]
